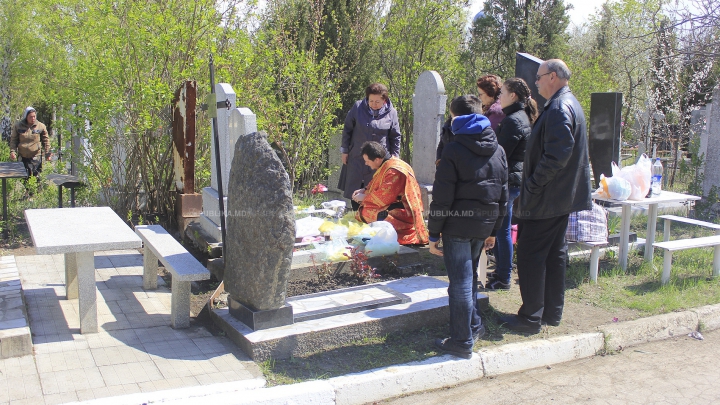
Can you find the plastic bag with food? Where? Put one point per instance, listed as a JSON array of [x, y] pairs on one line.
[[638, 175]]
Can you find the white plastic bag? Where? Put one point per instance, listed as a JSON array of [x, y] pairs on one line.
[[614, 187], [307, 226], [638, 175], [384, 242]]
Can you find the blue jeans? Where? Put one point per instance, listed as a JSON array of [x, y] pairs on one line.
[[462, 256], [503, 250]]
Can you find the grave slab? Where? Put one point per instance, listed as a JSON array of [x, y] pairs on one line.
[[428, 306]]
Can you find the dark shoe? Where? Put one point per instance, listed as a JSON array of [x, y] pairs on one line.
[[478, 334], [515, 324], [497, 285], [447, 346], [491, 275], [551, 323]]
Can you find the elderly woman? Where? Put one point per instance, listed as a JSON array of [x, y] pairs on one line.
[[30, 139], [370, 119], [489, 92]]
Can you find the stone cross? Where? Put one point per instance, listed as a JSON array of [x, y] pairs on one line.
[[429, 104], [260, 235], [232, 124], [225, 94], [712, 145]]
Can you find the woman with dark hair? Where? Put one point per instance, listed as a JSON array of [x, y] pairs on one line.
[[520, 112], [489, 91], [371, 119]]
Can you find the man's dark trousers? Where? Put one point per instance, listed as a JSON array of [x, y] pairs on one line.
[[541, 263]]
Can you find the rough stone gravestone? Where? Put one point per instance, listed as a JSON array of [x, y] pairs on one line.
[[526, 67], [260, 235], [712, 156], [429, 104], [605, 127], [232, 123]]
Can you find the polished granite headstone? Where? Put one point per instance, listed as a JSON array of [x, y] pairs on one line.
[[526, 67], [260, 235], [605, 133]]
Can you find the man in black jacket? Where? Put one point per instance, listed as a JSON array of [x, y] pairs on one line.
[[469, 198], [556, 182]]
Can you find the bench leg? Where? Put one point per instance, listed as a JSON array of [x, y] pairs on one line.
[[150, 270], [594, 262], [666, 231], [87, 292], [716, 262], [666, 267], [71, 282], [180, 304]]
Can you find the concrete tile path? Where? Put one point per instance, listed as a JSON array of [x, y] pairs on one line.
[[135, 350]]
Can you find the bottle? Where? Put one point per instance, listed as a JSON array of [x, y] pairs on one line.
[[657, 172]]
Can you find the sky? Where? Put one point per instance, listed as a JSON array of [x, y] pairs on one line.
[[581, 9]]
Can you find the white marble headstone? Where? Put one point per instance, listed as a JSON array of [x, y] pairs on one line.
[[711, 143], [429, 104], [223, 91]]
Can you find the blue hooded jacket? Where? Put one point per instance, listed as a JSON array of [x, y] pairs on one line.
[[470, 188]]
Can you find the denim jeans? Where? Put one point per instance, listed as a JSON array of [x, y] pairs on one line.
[[503, 250], [462, 256]]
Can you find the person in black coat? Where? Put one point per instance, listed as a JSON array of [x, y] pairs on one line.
[[556, 182], [520, 111], [469, 197]]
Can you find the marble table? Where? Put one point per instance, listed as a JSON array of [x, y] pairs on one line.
[[79, 233], [652, 203]]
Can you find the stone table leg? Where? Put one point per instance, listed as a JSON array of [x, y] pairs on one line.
[[180, 304], [87, 292], [71, 282], [624, 236], [650, 236]]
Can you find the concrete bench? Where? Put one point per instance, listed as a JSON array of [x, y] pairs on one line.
[[669, 218], [682, 244], [160, 245], [594, 257]]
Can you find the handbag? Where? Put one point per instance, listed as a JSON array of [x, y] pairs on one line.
[[343, 178]]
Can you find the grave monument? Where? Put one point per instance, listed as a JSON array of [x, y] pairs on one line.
[[429, 102], [605, 133], [526, 67], [712, 145], [260, 235]]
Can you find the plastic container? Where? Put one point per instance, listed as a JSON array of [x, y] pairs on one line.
[[657, 173]]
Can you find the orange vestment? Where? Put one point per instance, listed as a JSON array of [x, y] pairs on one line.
[[394, 182]]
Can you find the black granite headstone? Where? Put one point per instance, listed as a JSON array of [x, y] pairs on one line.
[[526, 67], [605, 126]]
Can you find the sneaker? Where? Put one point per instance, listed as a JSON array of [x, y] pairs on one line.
[[491, 275], [497, 285], [447, 346], [551, 323]]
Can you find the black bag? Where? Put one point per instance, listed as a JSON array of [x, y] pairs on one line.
[[343, 178]]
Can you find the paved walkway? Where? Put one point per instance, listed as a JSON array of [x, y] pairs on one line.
[[674, 371], [135, 350]]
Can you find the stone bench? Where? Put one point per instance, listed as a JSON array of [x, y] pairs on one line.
[[669, 218], [594, 257], [160, 245], [670, 246]]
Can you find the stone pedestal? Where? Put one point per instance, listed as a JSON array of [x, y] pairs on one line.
[[258, 320]]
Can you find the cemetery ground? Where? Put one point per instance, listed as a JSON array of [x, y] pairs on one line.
[[617, 297]]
